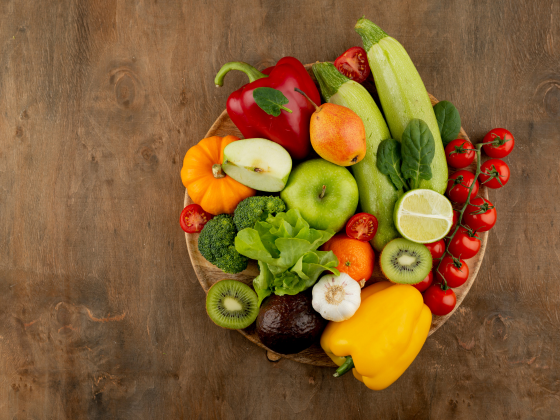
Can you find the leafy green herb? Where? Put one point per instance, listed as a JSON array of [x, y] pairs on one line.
[[418, 150], [389, 162], [270, 100], [286, 249], [449, 121]]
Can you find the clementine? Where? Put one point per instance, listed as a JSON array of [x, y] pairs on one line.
[[356, 258]]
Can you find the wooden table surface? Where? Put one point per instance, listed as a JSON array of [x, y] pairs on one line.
[[101, 315]]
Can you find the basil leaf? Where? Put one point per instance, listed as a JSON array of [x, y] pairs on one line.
[[389, 161], [449, 121], [417, 149], [270, 100]]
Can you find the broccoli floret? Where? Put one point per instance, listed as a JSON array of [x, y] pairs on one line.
[[255, 209], [216, 244]]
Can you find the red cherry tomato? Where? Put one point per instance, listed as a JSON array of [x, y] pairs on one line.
[[362, 226], [465, 244], [440, 299], [436, 249], [353, 63], [193, 218], [459, 184], [454, 270], [460, 153], [481, 218], [455, 221], [495, 173], [424, 284], [499, 143]]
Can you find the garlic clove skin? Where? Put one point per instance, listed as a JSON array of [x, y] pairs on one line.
[[336, 298]]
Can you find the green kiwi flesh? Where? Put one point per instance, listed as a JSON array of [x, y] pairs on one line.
[[405, 262], [232, 304]]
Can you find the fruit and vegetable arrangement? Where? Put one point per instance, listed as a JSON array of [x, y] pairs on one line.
[[322, 182]]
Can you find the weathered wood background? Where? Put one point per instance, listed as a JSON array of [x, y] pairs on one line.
[[101, 315]]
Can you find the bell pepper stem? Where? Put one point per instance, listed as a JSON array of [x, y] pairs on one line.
[[345, 367], [249, 70]]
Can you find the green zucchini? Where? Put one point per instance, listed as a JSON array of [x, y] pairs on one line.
[[402, 93], [377, 194]]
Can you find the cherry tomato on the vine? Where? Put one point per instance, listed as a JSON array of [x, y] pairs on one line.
[[454, 270], [460, 153], [193, 218], [455, 221], [494, 173], [424, 284], [437, 249], [440, 299], [480, 215], [362, 226], [464, 244], [353, 63], [459, 184], [499, 143]]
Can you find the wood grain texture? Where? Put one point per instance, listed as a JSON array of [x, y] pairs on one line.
[[209, 274], [101, 312]]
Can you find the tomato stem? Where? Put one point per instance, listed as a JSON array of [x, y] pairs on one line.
[[477, 150]]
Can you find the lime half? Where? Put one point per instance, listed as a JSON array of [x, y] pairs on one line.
[[423, 216]]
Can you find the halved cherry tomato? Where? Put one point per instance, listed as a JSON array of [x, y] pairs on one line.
[[495, 173], [465, 244], [193, 218], [459, 184], [440, 299], [454, 270], [424, 284], [362, 226], [436, 249], [480, 215], [460, 153], [353, 63], [499, 141]]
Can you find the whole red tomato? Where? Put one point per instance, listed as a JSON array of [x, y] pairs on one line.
[[353, 63], [459, 184], [454, 270], [436, 249], [460, 153], [465, 244], [424, 284], [193, 218], [480, 215], [362, 226], [499, 143], [455, 221], [440, 299], [494, 173]]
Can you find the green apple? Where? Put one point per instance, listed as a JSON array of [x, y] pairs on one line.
[[325, 194], [258, 163]]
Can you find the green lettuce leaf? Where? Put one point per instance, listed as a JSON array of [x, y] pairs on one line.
[[285, 247]]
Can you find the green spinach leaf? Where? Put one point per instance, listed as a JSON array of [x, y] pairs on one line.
[[270, 100], [418, 149], [449, 121], [389, 161]]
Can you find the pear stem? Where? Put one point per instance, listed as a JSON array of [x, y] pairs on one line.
[[307, 97], [323, 191]]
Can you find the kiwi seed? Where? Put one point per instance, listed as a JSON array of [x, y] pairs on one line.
[[232, 304]]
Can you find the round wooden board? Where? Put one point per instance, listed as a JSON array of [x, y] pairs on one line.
[[209, 274]]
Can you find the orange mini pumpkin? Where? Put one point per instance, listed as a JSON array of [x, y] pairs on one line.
[[205, 181]]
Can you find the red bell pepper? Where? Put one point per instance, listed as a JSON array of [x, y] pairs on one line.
[[290, 128]]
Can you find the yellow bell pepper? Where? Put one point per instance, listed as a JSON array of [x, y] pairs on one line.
[[383, 337]]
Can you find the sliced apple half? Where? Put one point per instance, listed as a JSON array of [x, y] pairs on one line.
[[258, 163]]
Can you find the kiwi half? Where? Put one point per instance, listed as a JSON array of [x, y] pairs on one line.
[[405, 262], [232, 304]]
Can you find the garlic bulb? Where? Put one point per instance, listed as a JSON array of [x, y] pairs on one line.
[[336, 298]]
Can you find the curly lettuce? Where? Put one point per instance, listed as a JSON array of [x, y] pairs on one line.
[[286, 250]]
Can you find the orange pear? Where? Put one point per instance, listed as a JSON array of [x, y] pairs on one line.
[[337, 134]]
